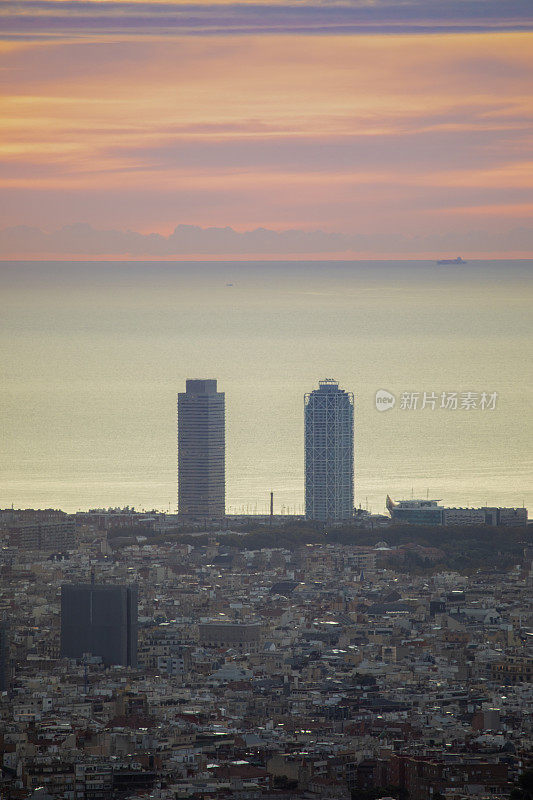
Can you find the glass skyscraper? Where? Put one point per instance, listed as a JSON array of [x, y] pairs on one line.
[[201, 450], [329, 470]]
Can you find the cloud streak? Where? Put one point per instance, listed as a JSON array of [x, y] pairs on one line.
[[66, 19], [335, 133]]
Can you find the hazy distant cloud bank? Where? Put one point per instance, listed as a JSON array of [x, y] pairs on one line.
[[76, 17], [83, 239]]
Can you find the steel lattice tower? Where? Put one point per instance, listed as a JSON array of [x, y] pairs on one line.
[[329, 471]]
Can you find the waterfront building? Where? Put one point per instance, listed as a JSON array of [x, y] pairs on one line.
[[416, 512], [329, 455], [429, 512], [201, 450]]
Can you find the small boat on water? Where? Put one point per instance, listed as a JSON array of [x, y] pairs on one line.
[[457, 260]]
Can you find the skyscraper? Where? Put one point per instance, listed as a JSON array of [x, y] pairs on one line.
[[101, 620], [329, 452], [201, 450]]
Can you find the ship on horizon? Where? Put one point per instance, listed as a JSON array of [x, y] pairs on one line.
[[457, 260]]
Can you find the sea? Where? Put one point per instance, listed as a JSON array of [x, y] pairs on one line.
[[93, 355]]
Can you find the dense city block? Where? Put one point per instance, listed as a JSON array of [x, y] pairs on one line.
[[144, 658]]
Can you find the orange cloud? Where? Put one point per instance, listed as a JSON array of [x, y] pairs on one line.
[[348, 133]]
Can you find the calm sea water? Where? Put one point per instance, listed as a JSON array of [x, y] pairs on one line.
[[93, 355]]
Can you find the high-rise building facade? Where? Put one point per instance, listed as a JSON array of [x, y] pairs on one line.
[[201, 450], [100, 620], [329, 470]]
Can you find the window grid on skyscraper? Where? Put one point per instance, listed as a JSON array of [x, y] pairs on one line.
[[329, 436], [201, 450]]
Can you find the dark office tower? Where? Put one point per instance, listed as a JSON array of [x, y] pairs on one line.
[[329, 452], [101, 620], [4, 657], [201, 450]]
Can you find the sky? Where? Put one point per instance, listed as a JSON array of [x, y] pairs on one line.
[[280, 130]]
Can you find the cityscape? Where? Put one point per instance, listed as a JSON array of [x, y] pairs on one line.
[[199, 654], [266, 270]]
